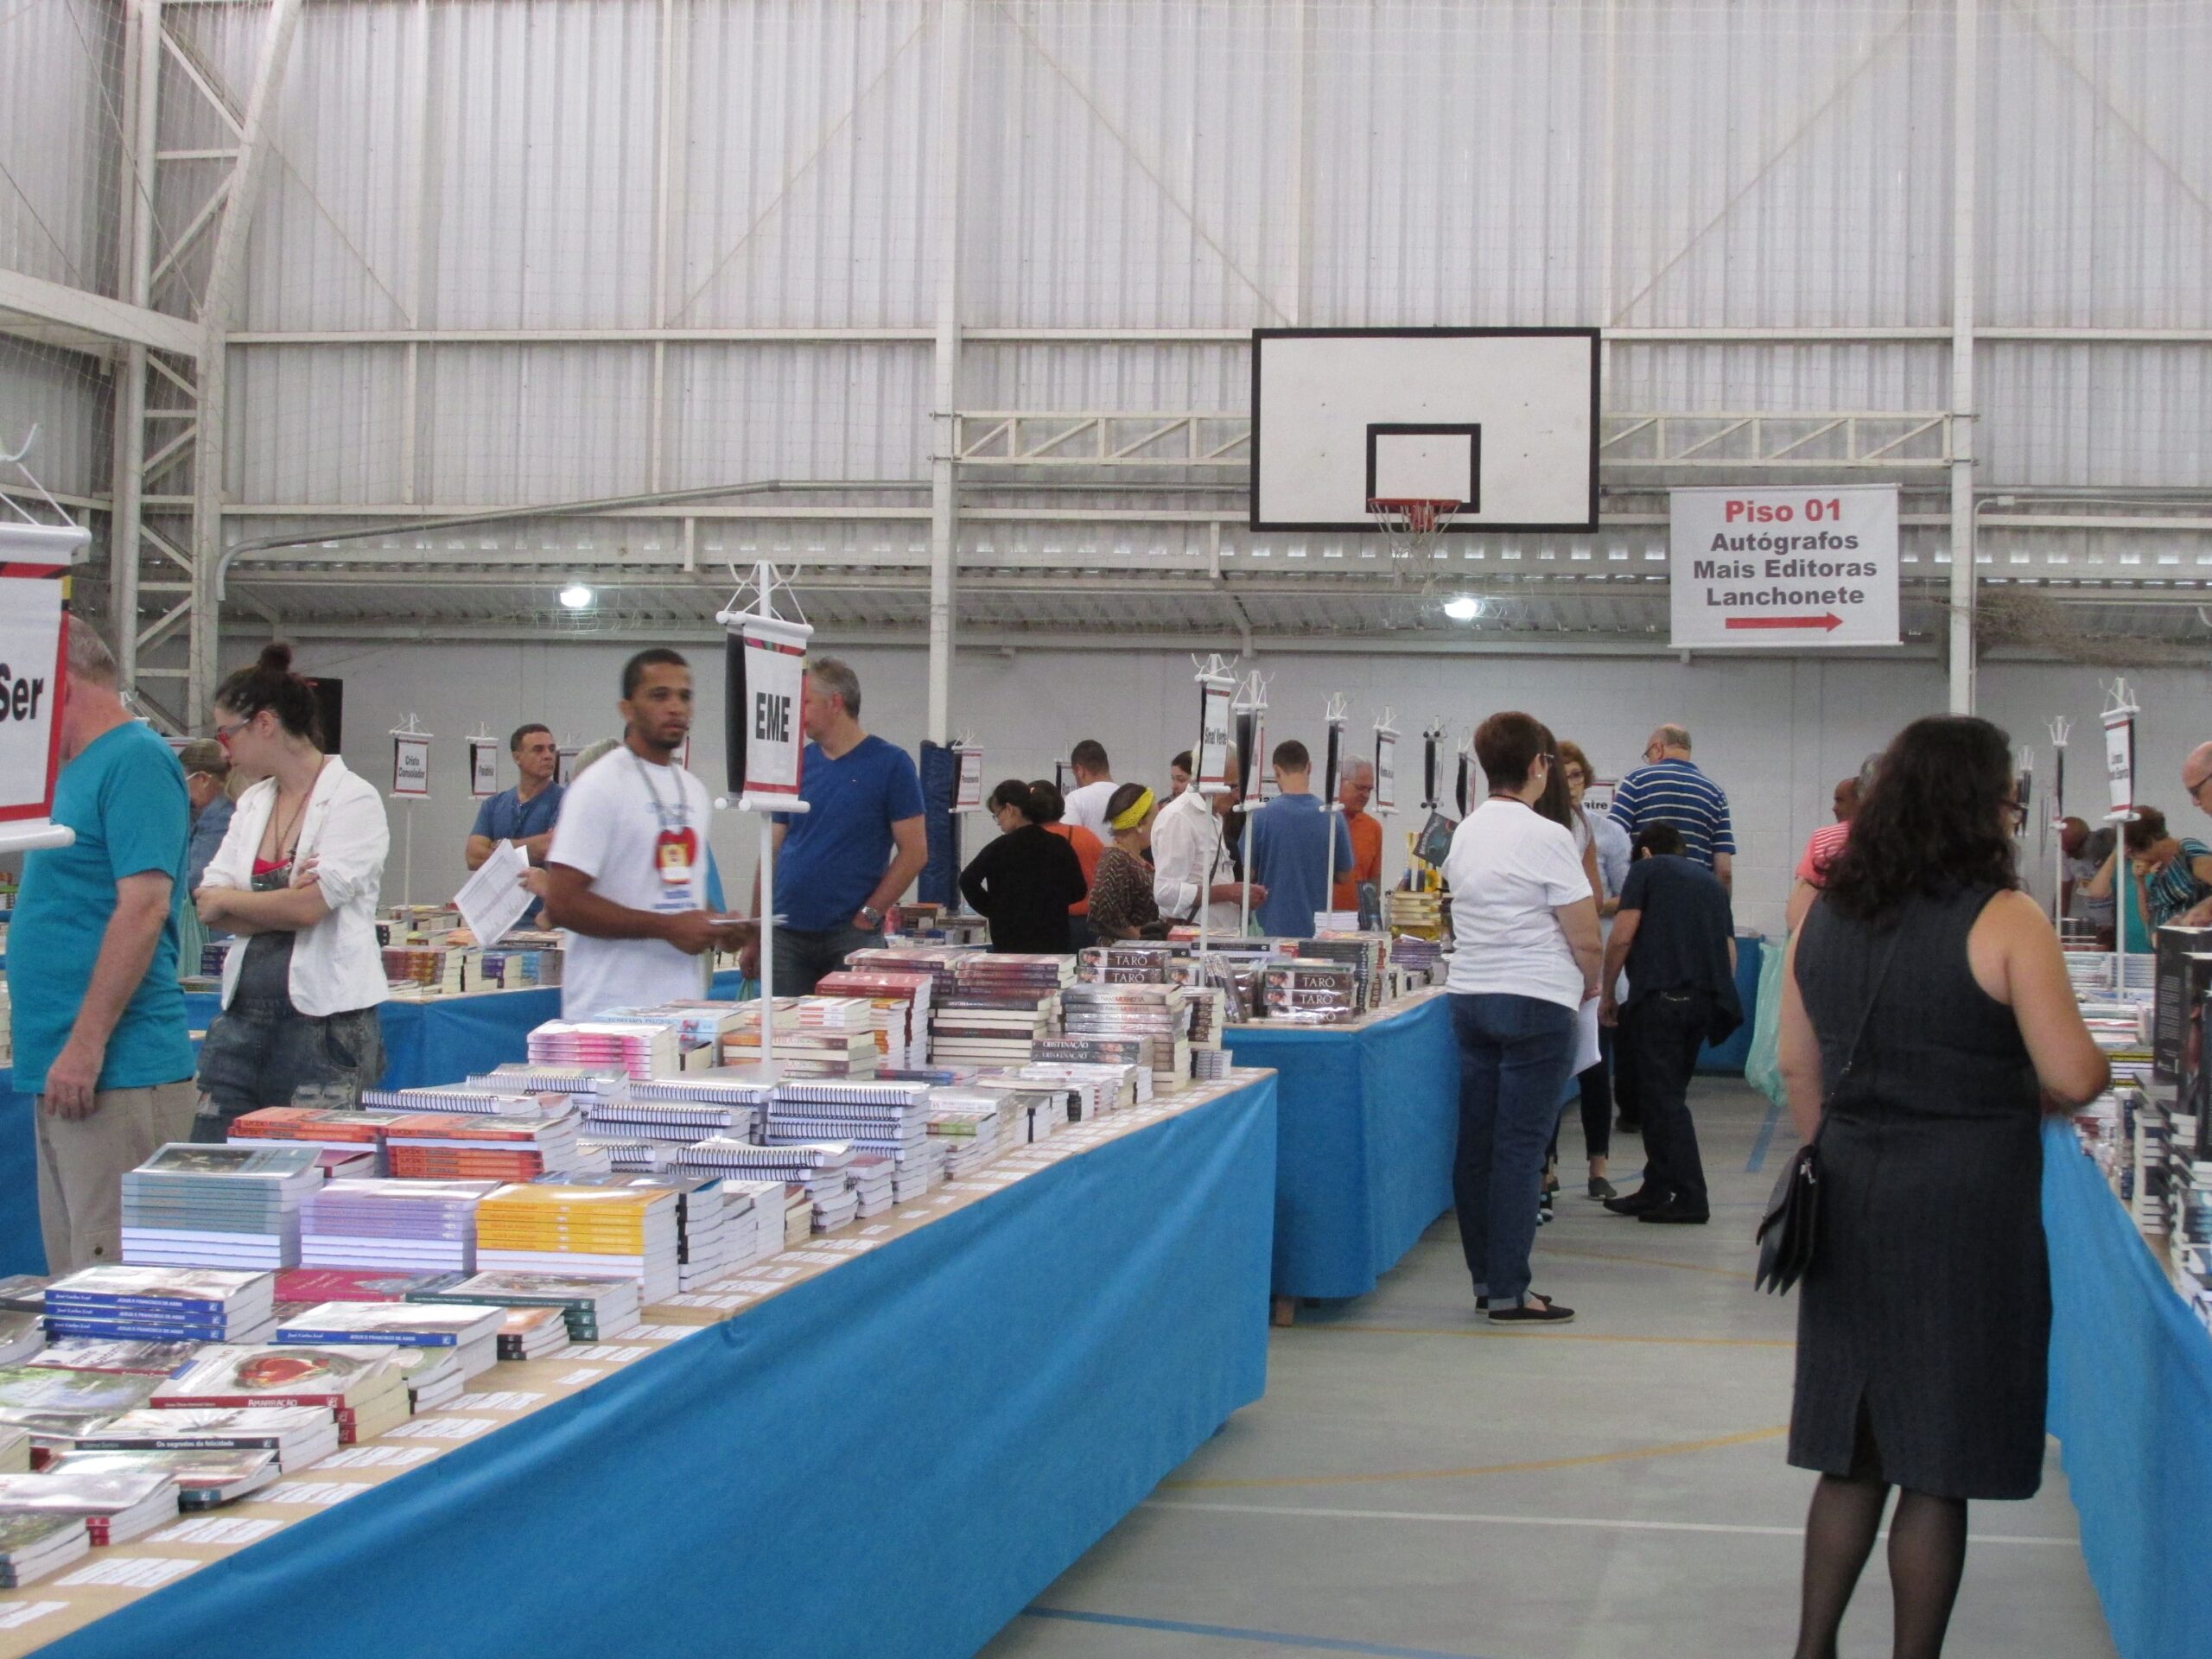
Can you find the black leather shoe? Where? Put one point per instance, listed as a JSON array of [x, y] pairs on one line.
[[1637, 1202], [1681, 1214]]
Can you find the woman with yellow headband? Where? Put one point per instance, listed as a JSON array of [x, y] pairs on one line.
[[1121, 903]]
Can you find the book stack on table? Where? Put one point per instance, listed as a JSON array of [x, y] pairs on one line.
[[54, 1406], [975, 1125], [360, 1385], [637, 1157], [33, 1546], [629, 1232], [588, 1085], [1105, 1024], [707, 1220], [509, 1147], [818, 1167], [217, 1206], [473, 1333], [1368, 955], [640, 1050], [91, 1354], [325, 1129], [815, 1037], [531, 1332], [115, 1506], [595, 1307], [205, 1478], [684, 1109], [415, 1226], [298, 1435], [901, 1003], [163, 1304]]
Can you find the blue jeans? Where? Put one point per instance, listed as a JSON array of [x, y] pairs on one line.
[[1514, 1056], [803, 955]]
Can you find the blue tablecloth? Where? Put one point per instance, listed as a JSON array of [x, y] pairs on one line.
[[22, 1250], [890, 1459], [2131, 1403], [1729, 1057], [1370, 1119]]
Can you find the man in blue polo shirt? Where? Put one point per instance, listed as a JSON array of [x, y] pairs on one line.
[[525, 814], [1291, 837], [844, 861], [1670, 789], [99, 1027]]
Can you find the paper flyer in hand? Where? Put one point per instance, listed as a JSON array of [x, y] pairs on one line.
[[494, 899]]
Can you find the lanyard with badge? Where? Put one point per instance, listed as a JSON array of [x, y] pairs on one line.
[[676, 847]]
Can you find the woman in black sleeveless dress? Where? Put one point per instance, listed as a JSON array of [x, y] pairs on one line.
[[1927, 1022]]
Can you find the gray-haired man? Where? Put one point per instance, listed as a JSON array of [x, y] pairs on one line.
[[842, 863]]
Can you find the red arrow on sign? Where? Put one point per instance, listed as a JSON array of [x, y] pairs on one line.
[[1830, 622]]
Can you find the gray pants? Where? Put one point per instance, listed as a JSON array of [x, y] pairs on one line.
[[80, 1165], [802, 957], [261, 1053]]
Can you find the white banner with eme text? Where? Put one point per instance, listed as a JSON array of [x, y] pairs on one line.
[[1777, 568], [775, 661]]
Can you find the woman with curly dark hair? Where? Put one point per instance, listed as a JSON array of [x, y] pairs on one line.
[[1926, 1021]]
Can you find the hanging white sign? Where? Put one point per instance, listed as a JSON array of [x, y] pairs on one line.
[[1767, 569], [968, 781], [2119, 762], [31, 659], [775, 689], [483, 768], [1386, 770], [1212, 776], [410, 766], [1256, 764], [564, 763]]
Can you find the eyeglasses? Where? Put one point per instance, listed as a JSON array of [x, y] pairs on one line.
[[224, 734], [2016, 811]]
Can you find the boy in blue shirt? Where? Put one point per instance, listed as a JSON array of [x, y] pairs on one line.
[[1291, 837], [842, 863]]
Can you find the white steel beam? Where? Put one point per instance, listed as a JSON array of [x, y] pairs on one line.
[[944, 475], [1966, 49], [92, 322], [225, 281]]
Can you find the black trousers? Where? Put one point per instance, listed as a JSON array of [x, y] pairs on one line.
[[1664, 1031], [1596, 1087]]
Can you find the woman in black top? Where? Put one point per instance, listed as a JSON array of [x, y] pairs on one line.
[[1927, 1022], [1023, 882]]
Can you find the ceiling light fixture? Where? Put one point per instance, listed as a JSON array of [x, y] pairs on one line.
[[576, 597], [1463, 608]]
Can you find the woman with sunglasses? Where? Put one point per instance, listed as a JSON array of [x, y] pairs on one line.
[[296, 878]]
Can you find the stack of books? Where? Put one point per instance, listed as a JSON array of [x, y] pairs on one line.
[[461, 1099], [473, 1333], [1129, 962], [588, 1085], [937, 963], [901, 1006], [1088, 1091], [531, 1332], [753, 1212], [639, 1157], [629, 1232], [513, 968], [217, 1206], [703, 1223], [868, 1178], [205, 1478], [33, 1546], [641, 1050], [818, 1167], [874, 1117], [91, 1354], [323, 1129], [595, 1308], [798, 1214], [26, 1391], [114, 1507], [163, 1304], [918, 1168], [408, 1226], [434, 1377], [302, 1287], [511, 1147], [1414, 916], [1309, 991], [299, 1435], [816, 1036], [1421, 956], [1106, 1024], [1368, 955], [684, 1109], [974, 1126], [360, 1386]]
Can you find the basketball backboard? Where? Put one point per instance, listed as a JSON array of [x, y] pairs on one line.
[[1503, 421]]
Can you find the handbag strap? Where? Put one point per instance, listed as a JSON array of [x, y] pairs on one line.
[[1866, 1017]]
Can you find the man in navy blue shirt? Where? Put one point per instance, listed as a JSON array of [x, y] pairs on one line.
[[525, 814], [1290, 848], [844, 861], [1675, 935]]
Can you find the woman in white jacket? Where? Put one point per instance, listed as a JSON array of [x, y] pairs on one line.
[[296, 880]]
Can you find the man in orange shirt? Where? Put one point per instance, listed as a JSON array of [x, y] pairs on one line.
[[1051, 808], [1356, 790]]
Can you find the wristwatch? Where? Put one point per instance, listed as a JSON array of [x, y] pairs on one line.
[[871, 915]]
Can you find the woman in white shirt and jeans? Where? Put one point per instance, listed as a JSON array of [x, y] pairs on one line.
[[1527, 957], [296, 880]]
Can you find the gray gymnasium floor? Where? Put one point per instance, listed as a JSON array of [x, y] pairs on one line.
[[1416, 1484]]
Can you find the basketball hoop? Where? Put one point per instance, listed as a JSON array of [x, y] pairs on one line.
[[1410, 524]]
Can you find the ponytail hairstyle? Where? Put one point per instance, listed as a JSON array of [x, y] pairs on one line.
[[1016, 794], [271, 684]]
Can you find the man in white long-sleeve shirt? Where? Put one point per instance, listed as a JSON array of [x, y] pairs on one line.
[[1190, 862]]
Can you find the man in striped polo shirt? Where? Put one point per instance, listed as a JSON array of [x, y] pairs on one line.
[[1670, 789]]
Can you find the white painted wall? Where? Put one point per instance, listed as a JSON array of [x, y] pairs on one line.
[[1777, 733]]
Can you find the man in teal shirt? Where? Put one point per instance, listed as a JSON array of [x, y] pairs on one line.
[[100, 1029]]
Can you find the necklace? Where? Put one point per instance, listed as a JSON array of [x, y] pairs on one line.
[[676, 817], [277, 849]]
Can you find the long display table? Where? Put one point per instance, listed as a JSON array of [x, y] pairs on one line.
[[2131, 1403], [1370, 1117], [885, 1443]]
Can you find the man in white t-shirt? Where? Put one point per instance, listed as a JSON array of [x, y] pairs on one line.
[[626, 875], [1095, 786]]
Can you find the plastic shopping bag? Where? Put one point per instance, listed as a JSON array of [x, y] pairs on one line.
[[1763, 1065]]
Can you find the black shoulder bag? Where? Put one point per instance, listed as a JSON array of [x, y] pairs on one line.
[[1786, 1230]]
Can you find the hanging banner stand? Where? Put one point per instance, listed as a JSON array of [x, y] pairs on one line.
[[2119, 720], [765, 660], [1251, 710], [411, 782]]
